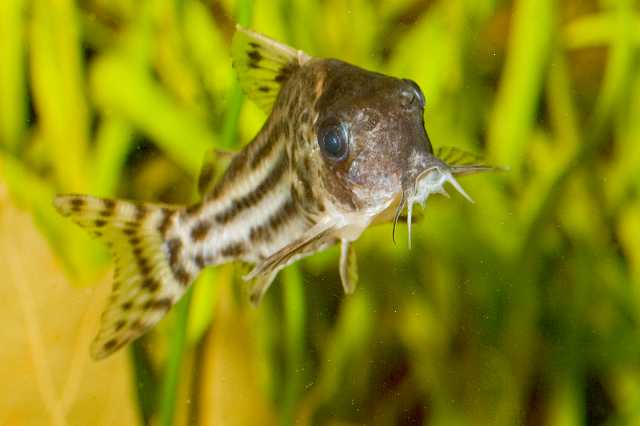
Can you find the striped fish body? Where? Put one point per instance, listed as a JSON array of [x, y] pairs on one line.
[[342, 148]]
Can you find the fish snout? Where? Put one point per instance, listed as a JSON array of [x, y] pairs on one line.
[[418, 164], [431, 181]]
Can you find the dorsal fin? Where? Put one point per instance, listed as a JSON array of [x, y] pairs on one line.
[[263, 65]]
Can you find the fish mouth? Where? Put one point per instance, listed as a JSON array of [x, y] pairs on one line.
[[429, 181]]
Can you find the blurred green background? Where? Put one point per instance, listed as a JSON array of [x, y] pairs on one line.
[[521, 309]]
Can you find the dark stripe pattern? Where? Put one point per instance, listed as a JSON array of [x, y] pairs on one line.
[[247, 201], [109, 208], [174, 247], [141, 213], [77, 204], [233, 250], [279, 132], [160, 304], [276, 221], [200, 231], [202, 260], [165, 222]]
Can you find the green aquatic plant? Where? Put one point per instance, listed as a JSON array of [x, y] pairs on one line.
[[519, 309]]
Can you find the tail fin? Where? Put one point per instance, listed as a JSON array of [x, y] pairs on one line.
[[146, 284]]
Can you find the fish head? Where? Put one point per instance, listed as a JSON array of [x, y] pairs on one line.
[[370, 135]]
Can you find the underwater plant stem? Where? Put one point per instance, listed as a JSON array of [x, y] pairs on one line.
[[172, 373], [616, 79], [294, 309], [144, 379], [230, 132], [174, 363]]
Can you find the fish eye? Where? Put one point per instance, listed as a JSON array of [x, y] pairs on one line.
[[417, 91], [333, 140]]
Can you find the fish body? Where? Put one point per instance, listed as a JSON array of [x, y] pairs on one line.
[[343, 148]]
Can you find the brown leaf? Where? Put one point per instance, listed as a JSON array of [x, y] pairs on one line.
[[47, 376], [231, 393]]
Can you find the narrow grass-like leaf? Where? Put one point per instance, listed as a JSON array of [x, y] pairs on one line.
[[13, 93], [58, 86], [208, 52], [618, 71], [617, 78], [352, 332], [177, 346], [516, 104], [294, 311], [80, 253], [132, 94], [112, 145], [205, 296], [236, 98], [145, 381]]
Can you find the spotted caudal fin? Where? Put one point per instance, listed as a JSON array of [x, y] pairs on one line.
[[146, 284], [263, 65]]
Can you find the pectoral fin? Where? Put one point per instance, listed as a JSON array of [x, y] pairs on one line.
[[462, 162], [316, 238], [260, 286], [348, 267]]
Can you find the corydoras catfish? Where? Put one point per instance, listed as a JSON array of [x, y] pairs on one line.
[[343, 148]]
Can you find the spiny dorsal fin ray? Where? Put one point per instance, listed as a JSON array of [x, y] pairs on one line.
[[263, 65], [463, 162], [144, 285]]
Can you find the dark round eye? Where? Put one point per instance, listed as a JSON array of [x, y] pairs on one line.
[[416, 91], [332, 138]]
